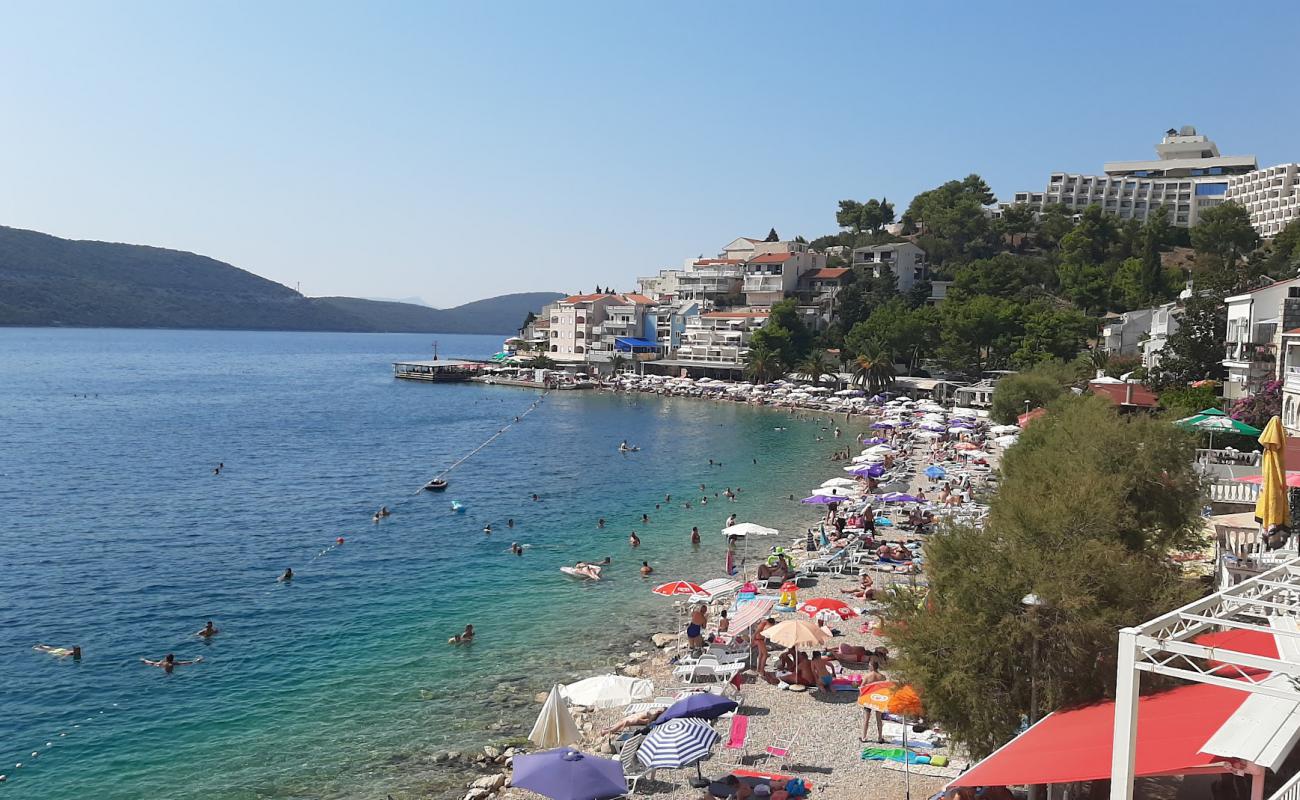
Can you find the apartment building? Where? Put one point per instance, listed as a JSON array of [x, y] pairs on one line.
[[628, 328], [904, 259], [1256, 320], [1271, 196], [1188, 176], [574, 325], [773, 272], [1123, 334], [719, 338], [1165, 322], [1290, 378]]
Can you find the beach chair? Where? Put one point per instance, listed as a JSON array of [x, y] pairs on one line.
[[708, 667], [633, 769], [781, 748], [735, 689], [737, 740]]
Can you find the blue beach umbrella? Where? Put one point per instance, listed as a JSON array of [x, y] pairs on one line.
[[935, 471], [677, 743], [567, 774], [898, 497], [705, 705], [882, 425]]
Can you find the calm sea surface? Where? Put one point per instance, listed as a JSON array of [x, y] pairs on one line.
[[115, 535]]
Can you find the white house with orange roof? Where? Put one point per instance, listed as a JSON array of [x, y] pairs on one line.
[[773, 273], [574, 325]]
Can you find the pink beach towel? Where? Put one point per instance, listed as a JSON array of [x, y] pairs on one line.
[[739, 732]]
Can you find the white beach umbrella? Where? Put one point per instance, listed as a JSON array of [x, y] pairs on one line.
[[1006, 441], [555, 726], [607, 691], [840, 482], [749, 529], [1004, 430], [833, 491]]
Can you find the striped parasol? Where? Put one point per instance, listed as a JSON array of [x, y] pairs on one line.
[[678, 587], [749, 614], [677, 743]]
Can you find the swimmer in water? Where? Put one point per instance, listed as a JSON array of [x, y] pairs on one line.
[[634, 540], [169, 662], [287, 576], [510, 523], [208, 631], [384, 512], [645, 519], [646, 569], [517, 549], [535, 498], [60, 652], [600, 523], [464, 637], [487, 528], [668, 498]]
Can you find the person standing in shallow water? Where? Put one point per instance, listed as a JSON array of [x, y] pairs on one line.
[[634, 540], [695, 534]]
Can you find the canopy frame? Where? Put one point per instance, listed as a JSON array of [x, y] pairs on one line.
[[1164, 646]]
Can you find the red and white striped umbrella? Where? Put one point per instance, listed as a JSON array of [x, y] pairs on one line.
[[678, 587], [827, 605]]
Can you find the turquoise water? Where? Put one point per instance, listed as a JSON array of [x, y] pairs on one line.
[[118, 537]]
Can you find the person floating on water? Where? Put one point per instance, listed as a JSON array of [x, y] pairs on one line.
[[209, 630], [60, 652], [646, 569], [634, 540], [169, 662], [464, 637], [589, 570], [287, 576]]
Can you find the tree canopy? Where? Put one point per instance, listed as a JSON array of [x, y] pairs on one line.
[[1089, 506]]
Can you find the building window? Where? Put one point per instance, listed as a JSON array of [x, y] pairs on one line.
[[578, 349], [555, 348]]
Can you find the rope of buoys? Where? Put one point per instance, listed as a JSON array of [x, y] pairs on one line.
[[489, 441]]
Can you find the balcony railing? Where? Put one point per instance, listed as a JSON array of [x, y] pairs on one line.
[[1255, 353], [1289, 790], [1292, 377]]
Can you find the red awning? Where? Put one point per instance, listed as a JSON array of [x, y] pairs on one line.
[[1075, 745]]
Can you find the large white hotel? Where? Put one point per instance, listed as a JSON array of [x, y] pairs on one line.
[[1187, 177]]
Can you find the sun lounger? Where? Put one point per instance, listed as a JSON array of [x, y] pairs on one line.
[[633, 769], [708, 667]]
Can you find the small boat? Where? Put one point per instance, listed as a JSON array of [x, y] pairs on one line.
[[436, 485], [457, 506]]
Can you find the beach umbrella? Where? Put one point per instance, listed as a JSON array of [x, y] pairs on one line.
[[821, 499], [555, 726], [898, 497], [973, 446], [748, 529], [1272, 508], [796, 633], [607, 691], [702, 705], [678, 587], [884, 424], [677, 743], [1005, 441], [875, 695], [839, 482], [827, 605], [874, 440], [839, 492], [935, 471], [567, 774]]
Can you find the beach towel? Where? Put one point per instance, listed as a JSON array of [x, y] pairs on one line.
[[893, 754], [739, 732]]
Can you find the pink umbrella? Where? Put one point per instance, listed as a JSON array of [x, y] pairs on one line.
[[1292, 479]]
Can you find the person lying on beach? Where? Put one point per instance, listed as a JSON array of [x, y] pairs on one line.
[[169, 662], [463, 637], [209, 630], [60, 652], [865, 590], [634, 721]]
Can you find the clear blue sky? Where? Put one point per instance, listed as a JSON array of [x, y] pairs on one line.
[[456, 151]]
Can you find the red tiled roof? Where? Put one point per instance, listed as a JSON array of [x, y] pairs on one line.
[[1118, 393], [735, 314], [771, 258], [1292, 331], [639, 298], [828, 273], [585, 298]]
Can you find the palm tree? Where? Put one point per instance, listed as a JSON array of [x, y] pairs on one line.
[[541, 361], [874, 370], [815, 366], [763, 365]]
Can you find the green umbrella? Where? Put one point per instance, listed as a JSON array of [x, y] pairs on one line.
[[1213, 421]]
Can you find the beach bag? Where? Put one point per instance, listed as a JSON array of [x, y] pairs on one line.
[[795, 787]]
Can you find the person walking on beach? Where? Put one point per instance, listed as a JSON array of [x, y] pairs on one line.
[[760, 642], [695, 629], [873, 675]]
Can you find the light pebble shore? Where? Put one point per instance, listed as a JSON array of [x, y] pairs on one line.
[[827, 752]]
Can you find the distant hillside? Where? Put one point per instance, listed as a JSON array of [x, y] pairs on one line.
[[48, 281], [503, 314]]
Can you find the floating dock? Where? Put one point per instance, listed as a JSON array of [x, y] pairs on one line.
[[439, 370]]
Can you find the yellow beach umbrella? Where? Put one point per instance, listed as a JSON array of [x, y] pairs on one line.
[[1272, 508]]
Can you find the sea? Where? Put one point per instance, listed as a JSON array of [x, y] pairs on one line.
[[117, 536]]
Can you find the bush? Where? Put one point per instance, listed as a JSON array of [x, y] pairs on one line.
[[1012, 392]]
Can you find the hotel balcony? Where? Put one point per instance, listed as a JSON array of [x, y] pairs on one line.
[[764, 283], [1292, 378], [1249, 353]]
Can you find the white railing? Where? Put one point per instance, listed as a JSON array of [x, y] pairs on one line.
[[1289, 791], [1233, 492], [1234, 458]]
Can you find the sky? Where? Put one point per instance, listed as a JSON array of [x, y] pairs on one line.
[[454, 151]]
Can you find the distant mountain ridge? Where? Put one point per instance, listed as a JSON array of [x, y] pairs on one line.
[[49, 281]]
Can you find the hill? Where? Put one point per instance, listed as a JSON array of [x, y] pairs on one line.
[[502, 314], [49, 281]]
